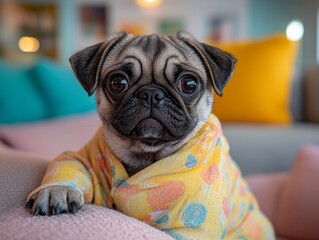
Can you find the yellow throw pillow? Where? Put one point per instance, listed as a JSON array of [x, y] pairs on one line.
[[259, 90]]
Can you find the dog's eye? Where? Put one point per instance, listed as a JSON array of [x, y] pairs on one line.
[[188, 84], [119, 85]]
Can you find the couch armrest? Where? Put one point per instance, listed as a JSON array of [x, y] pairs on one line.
[[311, 101], [20, 173]]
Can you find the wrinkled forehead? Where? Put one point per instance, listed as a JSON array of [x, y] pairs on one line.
[[156, 55]]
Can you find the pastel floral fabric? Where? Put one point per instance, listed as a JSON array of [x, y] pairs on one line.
[[196, 193]]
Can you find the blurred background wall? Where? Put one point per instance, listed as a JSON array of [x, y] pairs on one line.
[[268, 17], [62, 27]]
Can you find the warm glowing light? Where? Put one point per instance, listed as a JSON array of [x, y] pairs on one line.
[[148, 3], [295, 30], [29, 44]]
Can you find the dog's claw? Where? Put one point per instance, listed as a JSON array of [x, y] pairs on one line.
[[39, 211], [74, 207], [56, 209], [53, 211], [64, 211], [36, 212], [29, 204]]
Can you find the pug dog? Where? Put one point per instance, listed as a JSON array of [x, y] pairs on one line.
[[153, 93]]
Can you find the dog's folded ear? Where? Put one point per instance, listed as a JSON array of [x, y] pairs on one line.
[[87, 63], [218, 63]]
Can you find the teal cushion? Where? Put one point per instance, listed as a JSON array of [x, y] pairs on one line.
[[60, 88], [19, 99]]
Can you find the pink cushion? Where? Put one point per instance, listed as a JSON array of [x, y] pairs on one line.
[[267, 189], [52, 137], [92, 222], [297, 214]]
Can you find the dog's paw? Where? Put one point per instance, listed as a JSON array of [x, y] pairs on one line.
[[55, 200]]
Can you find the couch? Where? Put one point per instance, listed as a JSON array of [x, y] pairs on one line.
[[48, 123]]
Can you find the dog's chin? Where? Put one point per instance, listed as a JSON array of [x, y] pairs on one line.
[[145, 146], [150, 135]]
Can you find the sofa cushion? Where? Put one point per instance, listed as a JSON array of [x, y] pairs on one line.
[[20, 100], [267, 189], [259, 90], [61, 90], [91, 222], [297, 212]]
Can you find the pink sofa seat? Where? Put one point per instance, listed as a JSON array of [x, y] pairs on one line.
[[92, 222]]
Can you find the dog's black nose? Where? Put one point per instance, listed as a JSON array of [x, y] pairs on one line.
[[151, 95]]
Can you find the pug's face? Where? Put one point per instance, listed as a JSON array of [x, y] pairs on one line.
[[153, 93]]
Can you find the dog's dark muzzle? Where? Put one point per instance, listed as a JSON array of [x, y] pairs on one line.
[[153, 115]]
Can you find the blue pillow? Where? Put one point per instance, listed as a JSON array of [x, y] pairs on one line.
[[61, 89], [20, 100]]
